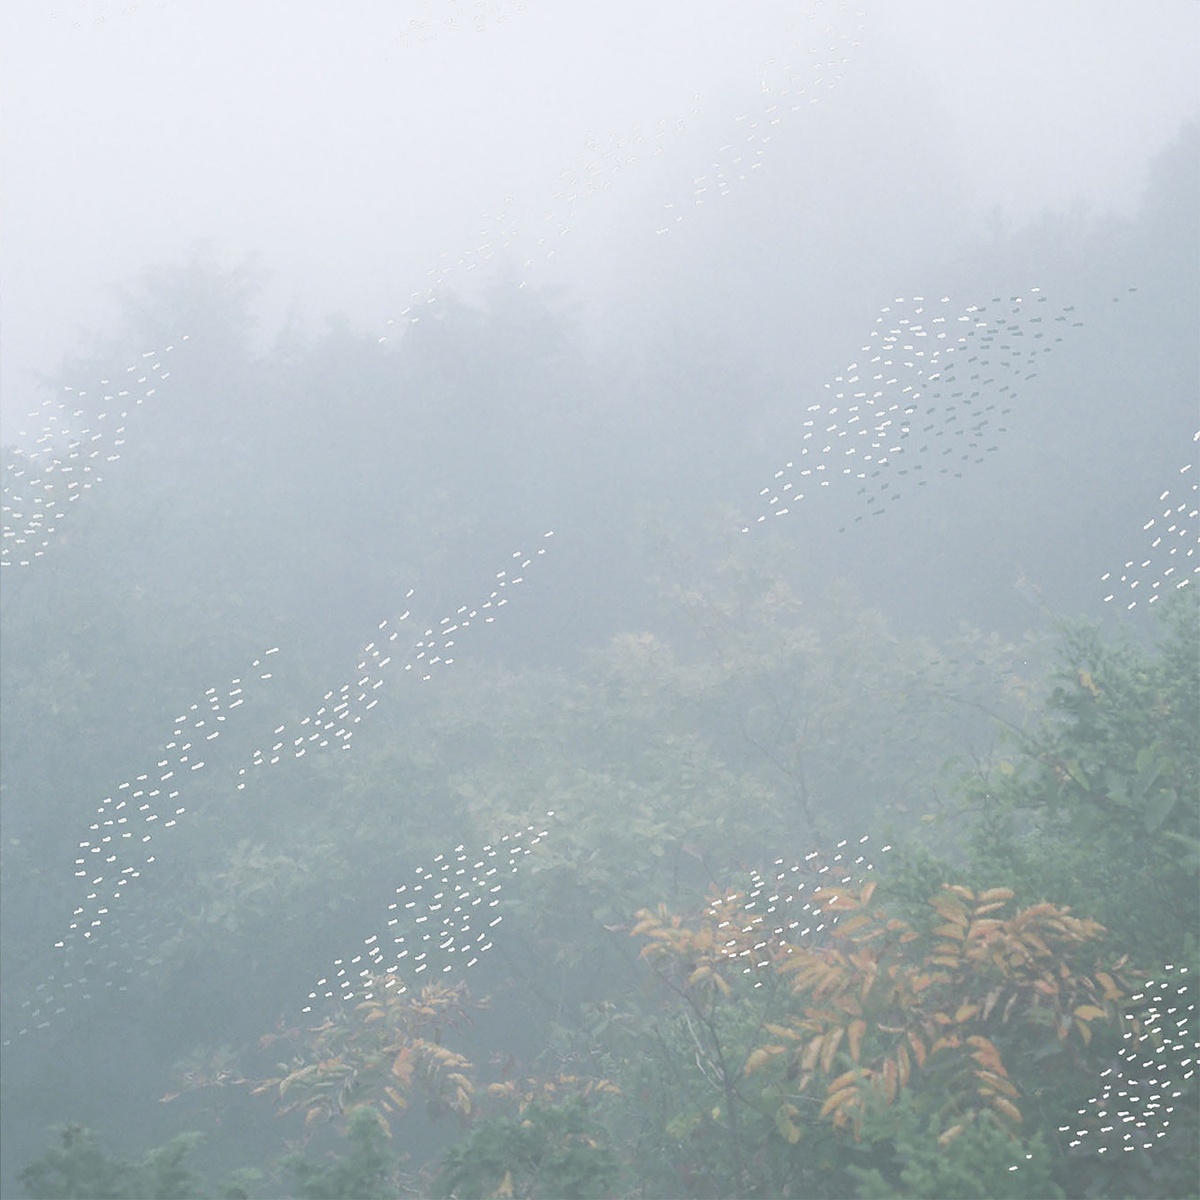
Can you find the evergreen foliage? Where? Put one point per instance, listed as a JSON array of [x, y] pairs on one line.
[[546, 1153], [363, 1173], [78, 1169]]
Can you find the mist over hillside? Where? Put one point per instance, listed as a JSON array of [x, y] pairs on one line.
[[488, 475]]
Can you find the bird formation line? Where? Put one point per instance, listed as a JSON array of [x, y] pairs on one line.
[[1156, 1067], [927, 384], [795, 76], [67, 458], [120, 844], [435, 19], [334, 720], [444, 918], [787, 904], [122, 835], [1171, 561], [787, 88]]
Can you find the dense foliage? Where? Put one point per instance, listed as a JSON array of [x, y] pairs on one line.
[[703, 724], [913, 1037]]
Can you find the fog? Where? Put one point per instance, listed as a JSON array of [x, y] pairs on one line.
[[566, 464], [360, 160]]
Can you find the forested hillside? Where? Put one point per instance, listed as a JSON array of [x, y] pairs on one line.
[[742, 739]]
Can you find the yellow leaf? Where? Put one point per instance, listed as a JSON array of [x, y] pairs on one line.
[[1007, 1108], [889, 1080], [285, 1084], [997, 1084], [397, 1099], [914, 1040], [808, 1060], [943, 960], [832, 1041], [949, 909], [837, 1100], [845, 1080], [785, 1122], [1111, 991], [868, 892], [944, 1139], [646, 925], [965, 1013], [850, 1004], [993, 894], [402, 1066], [986, 1054], [779, 1030], [505, 1189], [1088, 1012], [855, 1036], [853, 924], [680, 1128], [1085, 1031], [761, 1057]]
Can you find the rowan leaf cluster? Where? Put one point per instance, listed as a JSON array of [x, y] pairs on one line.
[[375, 1054], [884, 1006]]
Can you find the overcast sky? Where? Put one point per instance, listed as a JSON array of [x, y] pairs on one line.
[[366, 152]]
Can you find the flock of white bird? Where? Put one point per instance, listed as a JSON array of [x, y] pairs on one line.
[[928, 381], [792, 78], [66, 458], [923, 392], [1138, 1096], [788, 904], [120, 845], [442, 921], [1171, 561]]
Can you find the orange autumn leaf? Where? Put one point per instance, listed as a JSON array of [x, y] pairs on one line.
[[854, 1036]]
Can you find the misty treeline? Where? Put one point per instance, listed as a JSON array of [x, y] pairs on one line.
[[699, 710]]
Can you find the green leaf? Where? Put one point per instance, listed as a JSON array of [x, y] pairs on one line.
[[1159, 808]]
